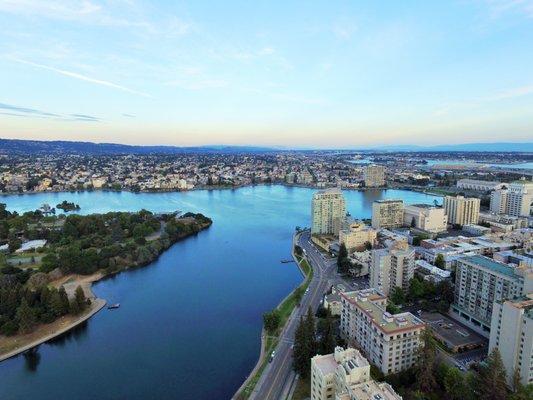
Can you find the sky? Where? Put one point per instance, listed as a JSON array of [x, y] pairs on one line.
[[313, 74]]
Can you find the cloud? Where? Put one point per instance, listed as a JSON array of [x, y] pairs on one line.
[[83, 77], [198, 84], [128, 115], [16, 111], [512, 93], [498, 8]]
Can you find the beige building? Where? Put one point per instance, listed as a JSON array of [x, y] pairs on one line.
[[520, 198], [374, 175], [392, 267], [511, 332], [387, 214], [461, 210], [345, 375], [328, 212], [480, 282], [480, 186], [356, 235], [390, 342], [498, 201], [425, 217]]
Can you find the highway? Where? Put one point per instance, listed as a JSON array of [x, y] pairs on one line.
[[278, 376]]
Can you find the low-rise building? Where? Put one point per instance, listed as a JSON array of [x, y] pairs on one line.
[[390, 342], [356, 236], [478, 185]]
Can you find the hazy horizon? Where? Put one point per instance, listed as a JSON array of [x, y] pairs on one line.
[[297, 75]]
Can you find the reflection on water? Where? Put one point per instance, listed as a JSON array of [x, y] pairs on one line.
[[75, 334], [32, 358]]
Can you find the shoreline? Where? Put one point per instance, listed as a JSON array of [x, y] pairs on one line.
[[96, 305]]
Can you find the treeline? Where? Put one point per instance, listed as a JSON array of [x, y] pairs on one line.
[[22, 309]]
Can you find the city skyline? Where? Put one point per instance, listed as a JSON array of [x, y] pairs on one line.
[[295, 75]]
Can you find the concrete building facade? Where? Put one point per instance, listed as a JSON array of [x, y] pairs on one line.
[[328, 212], [498, 201], [461, 210], [356, 235], [387, 214], [374, 175], [392, 267], [512, 333], [425, 217], [390, 342], [520, 198]]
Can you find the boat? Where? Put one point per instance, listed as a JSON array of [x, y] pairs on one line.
[[113, 306], [287, 261]]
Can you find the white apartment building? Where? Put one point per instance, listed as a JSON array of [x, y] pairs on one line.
[[356, 235], [345, 375], [387, 214], [477, 185], [426, 218], [520, 198], [374, 175], [498, 201], [392, 267], [479, 282], [328, 212], [390, 342], [511, 332], [461, 210]]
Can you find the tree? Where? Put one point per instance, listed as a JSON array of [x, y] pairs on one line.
[[455, 384], [426, 364], [416, 289], [271, 320], [26, 317], [397, 295], [327, 339], [440, 262], [298, 250], [491, 380], [304, 344], [413, 222]]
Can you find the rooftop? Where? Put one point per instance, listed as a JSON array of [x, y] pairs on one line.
[[326, 363], [490, 264], [366, 299], [372, 390]]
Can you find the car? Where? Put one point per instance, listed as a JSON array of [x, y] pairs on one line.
[[306, 290], [272, 356]]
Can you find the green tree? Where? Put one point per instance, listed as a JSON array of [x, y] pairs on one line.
[[397, 295], [26, 317], [341, 258], [455, 384], [440, 262], [305, 345], [491, 380], [425, 373], [327, 341], [413, 222], [271, 320], [79, 297]]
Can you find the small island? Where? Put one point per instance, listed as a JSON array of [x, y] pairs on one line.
[[68, 206], [46, 291]]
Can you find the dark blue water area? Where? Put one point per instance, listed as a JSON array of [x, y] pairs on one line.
[[189, 324]]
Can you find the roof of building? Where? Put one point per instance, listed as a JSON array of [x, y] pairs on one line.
[[373, 390], [326, 363], [490, 264], [388, 323], [388, 201]]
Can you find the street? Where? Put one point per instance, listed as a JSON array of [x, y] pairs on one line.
[[278, 376]]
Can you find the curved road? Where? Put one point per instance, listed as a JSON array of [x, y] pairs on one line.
[[278, 376]]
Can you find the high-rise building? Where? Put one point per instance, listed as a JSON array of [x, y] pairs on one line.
[[387, 214], [479, 282], [392, 267], [511, 331], [425, 217], [374, 175], [345, 375], [498, 201], [328, 212], [390, 342], [461, 210], [520, 198], [356, 235]]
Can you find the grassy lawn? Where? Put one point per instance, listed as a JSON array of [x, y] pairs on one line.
[[285, 308], [302, 390]]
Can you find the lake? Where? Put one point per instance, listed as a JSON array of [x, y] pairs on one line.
[[189, 324]]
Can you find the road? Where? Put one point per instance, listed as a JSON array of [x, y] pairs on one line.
[[278, 375]]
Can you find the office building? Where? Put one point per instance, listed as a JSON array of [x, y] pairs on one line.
[[425, 217], [511, 332], [479, 282], [356, 235], [374, 175], [328, 212], [392, 267], [387, 214], [345, 375], [520, 198], [390, 342], [477, 185], [461, 210]]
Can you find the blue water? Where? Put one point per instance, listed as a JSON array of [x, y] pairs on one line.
[[189, 324], [525, 165]]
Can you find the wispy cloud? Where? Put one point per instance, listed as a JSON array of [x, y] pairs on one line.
[[198, 84], [498, 8], [17, 111], [82, 77], [512, 93]]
